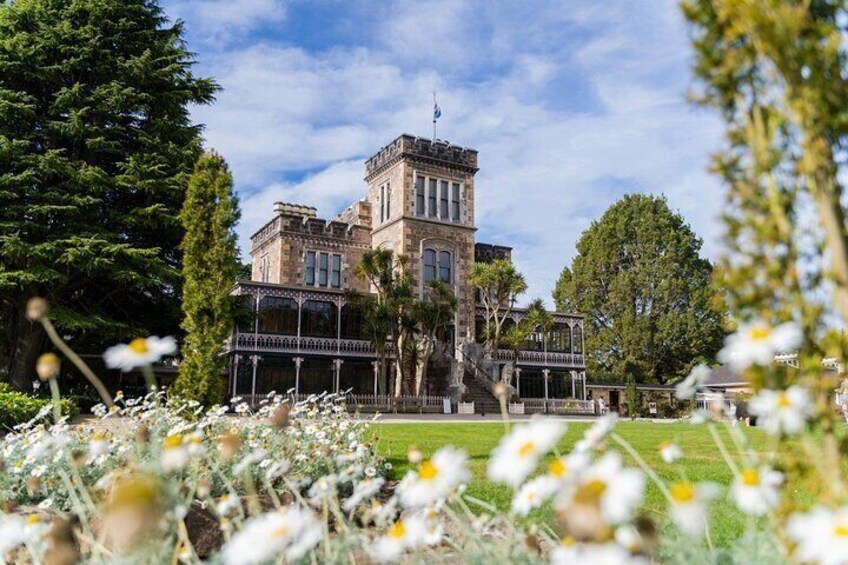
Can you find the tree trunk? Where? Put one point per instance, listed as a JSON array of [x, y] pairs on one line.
[[26, 342], [421, 366]]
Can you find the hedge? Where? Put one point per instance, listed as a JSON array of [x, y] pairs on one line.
[[17, 408]]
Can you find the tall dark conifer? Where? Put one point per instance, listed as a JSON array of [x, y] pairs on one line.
[[95, 148]]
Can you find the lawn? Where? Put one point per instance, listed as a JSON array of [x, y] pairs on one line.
[[702, 460]]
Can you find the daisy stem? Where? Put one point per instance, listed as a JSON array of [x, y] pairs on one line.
[[150, 378], [75, 359], [643, 465], [721, 447], [57, 405]]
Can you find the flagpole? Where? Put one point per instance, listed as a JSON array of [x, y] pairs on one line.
[[434, 117]]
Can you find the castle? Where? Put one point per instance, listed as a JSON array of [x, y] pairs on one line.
[[419, 202]]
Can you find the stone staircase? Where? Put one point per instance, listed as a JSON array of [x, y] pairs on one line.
[[484, 401]]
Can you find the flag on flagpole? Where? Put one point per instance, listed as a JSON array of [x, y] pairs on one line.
[[437, 112]]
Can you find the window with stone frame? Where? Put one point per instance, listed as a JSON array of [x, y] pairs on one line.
[[445, 266], [323, 269], [429, 265], [455, 210], [444, 196], [420, 195], [263, 268], [432, 198]]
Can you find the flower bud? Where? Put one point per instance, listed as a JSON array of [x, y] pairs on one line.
[[36, 309], [33, 485], [280, 417], [414, 455], [142, 435], [228, 445], [500, 390], [47, 367]]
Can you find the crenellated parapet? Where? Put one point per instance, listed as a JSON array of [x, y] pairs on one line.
[[419, 148]]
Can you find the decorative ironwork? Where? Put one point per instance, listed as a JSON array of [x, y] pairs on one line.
[[273, 343], [543, 358]]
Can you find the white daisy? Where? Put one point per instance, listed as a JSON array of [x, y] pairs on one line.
[[16, 530], [227, 504], [686, 389], [756, 491], [139, 352], [609, 553], [782, 411], [614, 491], [670, 451], [689, 504], [407, 533], [821, 535], [175, 456], [364, 490], [602, 427], [533, 494], [435, 478], [99, 445], [291, 531], [518, 453], [564, 468], [756, 343]]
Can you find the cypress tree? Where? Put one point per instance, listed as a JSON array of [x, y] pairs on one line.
[[210, 267], [95, 148]]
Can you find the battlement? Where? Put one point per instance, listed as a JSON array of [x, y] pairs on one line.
[[487, 252], [297, 220], [419, 147], [289, 209]]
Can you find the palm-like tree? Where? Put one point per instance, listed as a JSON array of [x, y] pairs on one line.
[[431, 314], [499, 283], [536, 319]]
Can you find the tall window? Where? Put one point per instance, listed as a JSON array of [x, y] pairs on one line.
[[336, 271], [263, 268], [436, 198], [432, 198], [310, 268], [429, 265], [318, 319], [388, 201], [420, 195], [445, 266], [323, 269], [385, 202]]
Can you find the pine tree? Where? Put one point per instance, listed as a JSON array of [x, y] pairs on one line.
[[210, 266], [95, 148], [648, 295]]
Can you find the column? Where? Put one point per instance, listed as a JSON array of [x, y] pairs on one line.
[[573, 377], [546, 373], [582, 341], [338, 369], [376, 365], [255, 360], [339, 305], [583, 375], [297, 362], [299, 316], [236, 359], [518, 381]]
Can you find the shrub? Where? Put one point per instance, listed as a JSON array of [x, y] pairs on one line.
[[17, 408]]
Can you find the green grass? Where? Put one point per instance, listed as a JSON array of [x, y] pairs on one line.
[[702, 461]]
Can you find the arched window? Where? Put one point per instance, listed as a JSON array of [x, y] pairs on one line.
[[429, 265], [445, 266]]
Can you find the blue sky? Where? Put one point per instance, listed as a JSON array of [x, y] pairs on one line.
[[571, 104]]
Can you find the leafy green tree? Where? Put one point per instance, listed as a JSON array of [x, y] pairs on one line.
[[210, 265], [431, 314], [648, 295], [95, 147], [500, 284]]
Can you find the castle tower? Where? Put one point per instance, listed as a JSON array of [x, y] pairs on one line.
[[422, 196]]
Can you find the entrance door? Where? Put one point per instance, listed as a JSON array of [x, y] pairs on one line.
[[613, 401]]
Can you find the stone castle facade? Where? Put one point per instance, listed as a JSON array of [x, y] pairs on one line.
[[419, 202]]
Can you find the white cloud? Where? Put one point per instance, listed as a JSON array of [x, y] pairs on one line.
[[218, 22], [578, 106]]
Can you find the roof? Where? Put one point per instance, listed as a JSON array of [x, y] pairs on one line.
[[724, 376]]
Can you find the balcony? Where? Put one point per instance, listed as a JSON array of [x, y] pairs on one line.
[[543, 358], [272, 343]]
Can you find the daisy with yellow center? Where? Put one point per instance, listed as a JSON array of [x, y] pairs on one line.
[[757, 343], [518, 453], [140, 352], [756, 491], [435, 478], [175, 456], [411, 531], [820, 535], [606, 486], [782, 411], [290, 532], [688, 505]]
